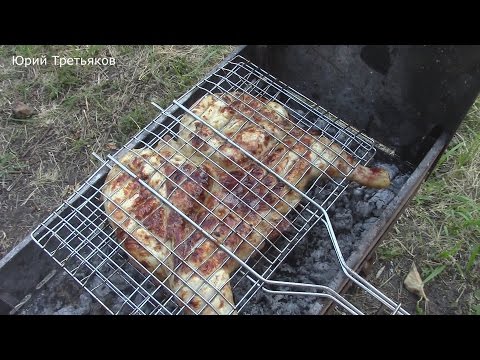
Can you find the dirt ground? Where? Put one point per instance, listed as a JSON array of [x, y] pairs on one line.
[[78, 110]]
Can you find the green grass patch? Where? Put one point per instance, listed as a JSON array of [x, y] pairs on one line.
[[92, 94], [419, 310], [450, 253], [65, 78], [391, 252], [31, 51], [80, 144], [133, 122], [24, 89], [3, 51], [476, 309], [471, 259], [431, 273], [87, 51], [10, 164]]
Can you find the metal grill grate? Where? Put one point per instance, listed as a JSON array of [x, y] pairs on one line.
[[80, 234]]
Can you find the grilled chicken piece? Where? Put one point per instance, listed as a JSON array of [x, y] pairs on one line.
[[225, 192]]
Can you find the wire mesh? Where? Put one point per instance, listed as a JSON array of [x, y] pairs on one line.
[[242, 207]]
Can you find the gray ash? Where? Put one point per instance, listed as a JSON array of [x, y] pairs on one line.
[[61, 295], [314, 259]]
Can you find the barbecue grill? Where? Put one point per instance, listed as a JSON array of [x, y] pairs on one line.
[[380, 119]]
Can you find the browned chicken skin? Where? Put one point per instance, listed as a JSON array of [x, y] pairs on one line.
[[218, 187]]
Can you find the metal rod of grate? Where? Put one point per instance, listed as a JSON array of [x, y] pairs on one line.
[[328, 292], [100, 238]]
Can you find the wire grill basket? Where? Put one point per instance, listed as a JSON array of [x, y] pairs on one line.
[[83, 237]]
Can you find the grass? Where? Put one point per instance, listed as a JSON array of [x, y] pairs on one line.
[[133, 122], [441, 227], [80, 110], [9, 164]]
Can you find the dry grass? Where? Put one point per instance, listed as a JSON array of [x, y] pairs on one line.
[[79, 110]]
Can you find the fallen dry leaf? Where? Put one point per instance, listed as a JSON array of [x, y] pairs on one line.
[[111, 146], [382, 269], [414, 283], [22, 111]]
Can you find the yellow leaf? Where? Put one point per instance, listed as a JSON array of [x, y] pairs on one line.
[[413, 282]]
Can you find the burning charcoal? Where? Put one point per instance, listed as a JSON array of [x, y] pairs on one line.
[[117, 306], [68, 310], [363, 209], [300, 223], [305, 278], [343, 219], [332, 131], [277, 299], [303, 271], [345, 240], [256, 310], [314, 260], [357, 229], [292, 309], [318, 254], [320, 267], [315, 309], [398, 182], [382, 198], [101, 290], [357, 194], [315, 233], [58, 305], [342, 202], [73, 310], [367, 224], [318, 278], [97, 309], [289, 269], [377, 212], [329, 275], [341, 137], [119, 282], [321, 123], [85, 300]]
